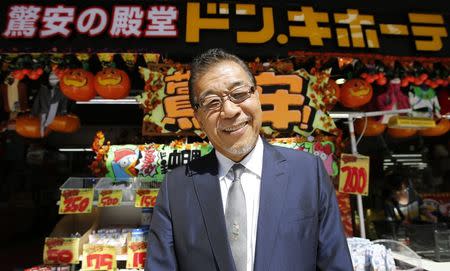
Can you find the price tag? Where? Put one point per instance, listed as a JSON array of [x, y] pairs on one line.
[[76, 201], [107, 198], [146, 198], [137, 253], [354, 174], [99, 257], [61, 250]]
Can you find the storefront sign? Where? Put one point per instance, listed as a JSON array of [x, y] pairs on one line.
[[109, 198], [99, 257], [146, 198], [61, 250], [76, 201], [289, 103], [274, 27], [136, 254], [354, 174]]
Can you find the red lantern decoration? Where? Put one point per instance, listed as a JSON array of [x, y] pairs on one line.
[[112, 83], [65, 124], [373, 127], [355, 93], [77, 85], [401, 133], [441, 128], [29, 126]]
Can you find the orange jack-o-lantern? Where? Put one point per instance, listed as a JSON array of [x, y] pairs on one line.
[[332, 92], [401, 132], [77, 85], [355, 93], [442, 127], [30, 126], [112, 83], [373, 127], [65, 124]]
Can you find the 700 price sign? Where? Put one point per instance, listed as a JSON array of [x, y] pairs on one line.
[[354, 174]]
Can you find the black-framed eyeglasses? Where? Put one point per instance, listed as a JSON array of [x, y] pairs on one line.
[[237, 95]]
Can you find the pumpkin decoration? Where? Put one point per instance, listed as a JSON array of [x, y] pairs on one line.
[[77, 84], [401, 132], [355, 93], [30, 126], [442, 127], [112, 83], [65, 124], [373, 127]]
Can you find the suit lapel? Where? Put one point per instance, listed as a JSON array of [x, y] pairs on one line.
[[273, 190], [207, 188]]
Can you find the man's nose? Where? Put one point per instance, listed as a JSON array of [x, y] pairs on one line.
[[229, 109]]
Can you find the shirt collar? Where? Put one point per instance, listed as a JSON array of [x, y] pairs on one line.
[[252, 162]]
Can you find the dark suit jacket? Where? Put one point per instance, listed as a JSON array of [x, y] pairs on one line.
[[299, 226]]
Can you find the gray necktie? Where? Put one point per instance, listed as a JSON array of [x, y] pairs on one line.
[[236, 219]]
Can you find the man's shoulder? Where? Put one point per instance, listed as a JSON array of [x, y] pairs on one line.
[[293, 154]]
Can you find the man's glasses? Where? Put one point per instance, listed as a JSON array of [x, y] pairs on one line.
[[213, 102]]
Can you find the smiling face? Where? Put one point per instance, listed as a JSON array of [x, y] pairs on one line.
[[233, 129]]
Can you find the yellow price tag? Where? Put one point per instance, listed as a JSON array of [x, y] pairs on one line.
[[137, 254], [107, 198], [354, 174], [76, 201], [61, 250], [146, 198], [99, 257]]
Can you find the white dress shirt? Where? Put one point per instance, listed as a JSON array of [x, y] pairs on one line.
[[251, 184]]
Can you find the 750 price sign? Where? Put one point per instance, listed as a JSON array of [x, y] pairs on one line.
[[61, 250], [354, 174], [146, 198], [76, 201]]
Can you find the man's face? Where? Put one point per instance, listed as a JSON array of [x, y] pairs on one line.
[[233, 129]]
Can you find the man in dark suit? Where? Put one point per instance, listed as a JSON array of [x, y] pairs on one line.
[[247, 205]]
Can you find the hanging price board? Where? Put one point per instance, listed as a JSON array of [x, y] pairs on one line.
[[146, 198], [98, 257], [354, 174], [76, 201], [137, 254], [61, 250], [108, 198]]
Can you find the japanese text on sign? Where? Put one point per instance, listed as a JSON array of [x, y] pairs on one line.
[[76, 201], [107, 198], [354, 174], [146, 198], [61, 250], [351, 28], [136, 254], [99, 257]]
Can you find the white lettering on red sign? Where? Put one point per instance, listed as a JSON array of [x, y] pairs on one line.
[[22, 21], [92, 21], [55, 21], [126, 21], [161, 21]]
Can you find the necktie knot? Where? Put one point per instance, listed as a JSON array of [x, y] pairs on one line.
[[237, 169]]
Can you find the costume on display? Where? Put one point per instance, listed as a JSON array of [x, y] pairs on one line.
[[297, 227], [424, 102], [392, 99]]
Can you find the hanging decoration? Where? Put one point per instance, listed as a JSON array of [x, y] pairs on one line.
[[355, 93], [78, 85], [30, 126], [441, 128], [112, 83], [372, 126]]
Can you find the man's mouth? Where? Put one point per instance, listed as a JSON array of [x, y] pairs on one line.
[[234, 128]]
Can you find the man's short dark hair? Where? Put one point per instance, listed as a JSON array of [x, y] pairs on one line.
[[204, 62]]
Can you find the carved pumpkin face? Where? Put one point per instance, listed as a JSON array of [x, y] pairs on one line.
[[441, 128], [29, 126], [355, 93], [401, 133], [373, 127], [112, 83], [65, 124], [78, 85]]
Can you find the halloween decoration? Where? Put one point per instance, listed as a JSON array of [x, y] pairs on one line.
[[112, 83], [65, 124], [442, 127], [392, 99], [30, 126], [373, 127], [401, 132], [78, 85], [14, 94], [355, 93]]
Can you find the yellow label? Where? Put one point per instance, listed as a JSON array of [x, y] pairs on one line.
[[61, 250], [354, 174], [146, 198], [410, 122], [137, 254], [99, 257], [76, 201], [108, 198]]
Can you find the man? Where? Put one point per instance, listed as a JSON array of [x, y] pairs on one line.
[[276, 210]]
